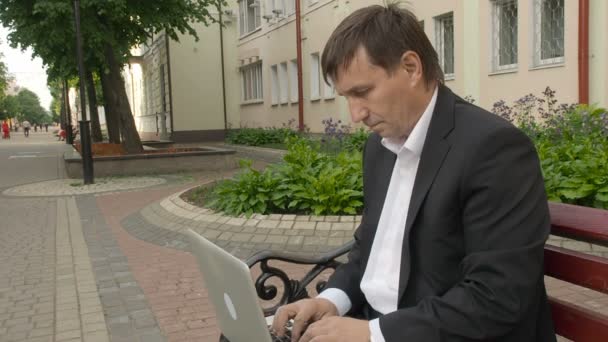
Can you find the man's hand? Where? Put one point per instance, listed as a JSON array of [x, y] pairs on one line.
[[337, 329], [303, 312]]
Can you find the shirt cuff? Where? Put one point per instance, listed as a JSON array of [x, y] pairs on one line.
[[338, 298], [375, 332]]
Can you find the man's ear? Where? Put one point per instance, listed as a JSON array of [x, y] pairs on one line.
[[411, 63]]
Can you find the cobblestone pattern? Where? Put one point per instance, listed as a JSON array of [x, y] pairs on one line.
[[169, 278], [126, 310], [78, 311], [27, 269], [69, 187], [156, 225]]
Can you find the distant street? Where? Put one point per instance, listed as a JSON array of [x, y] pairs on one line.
[[28, 160]]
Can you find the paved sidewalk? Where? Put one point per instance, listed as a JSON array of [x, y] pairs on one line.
[[162, 223], [114, 265]]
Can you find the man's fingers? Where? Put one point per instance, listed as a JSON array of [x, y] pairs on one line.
[[300, 322], [317, 331], [281, 316]]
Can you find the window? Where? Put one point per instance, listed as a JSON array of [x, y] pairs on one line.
[[293, 81], [444, 43], [274, 77], [249, 16], [251, 76], [315, 92], [548, 32], [278, 8], [504, 34], [290, 7], [283, 82]]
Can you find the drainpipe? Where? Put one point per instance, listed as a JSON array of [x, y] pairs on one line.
[[583, 51], [169, 77], [299, 58], [221, 23]]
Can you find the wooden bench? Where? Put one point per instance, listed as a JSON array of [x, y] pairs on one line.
[[571, 321]]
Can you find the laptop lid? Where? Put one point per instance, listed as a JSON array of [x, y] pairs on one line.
[[231, 290]]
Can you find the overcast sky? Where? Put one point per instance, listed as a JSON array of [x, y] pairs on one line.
[[28, 73]]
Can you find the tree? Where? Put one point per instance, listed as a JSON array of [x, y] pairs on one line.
[[109, 28], [9, 107], [29, 108]]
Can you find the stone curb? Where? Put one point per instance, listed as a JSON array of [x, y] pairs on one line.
[[178, 207], [74, 187]]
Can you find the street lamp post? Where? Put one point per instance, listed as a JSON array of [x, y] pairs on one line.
[[85, 131]]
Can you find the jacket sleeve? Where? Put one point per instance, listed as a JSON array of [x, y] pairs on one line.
[[505, 225]]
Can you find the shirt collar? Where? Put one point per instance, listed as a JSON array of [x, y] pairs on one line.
[[415, 141]]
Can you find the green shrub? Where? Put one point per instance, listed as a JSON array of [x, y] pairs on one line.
[[306, 182], [356, 141], [259, 136], [248, 192], [262, 136], [572, 144], [573, 149]]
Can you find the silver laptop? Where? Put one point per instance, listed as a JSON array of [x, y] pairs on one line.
[[231, 290]]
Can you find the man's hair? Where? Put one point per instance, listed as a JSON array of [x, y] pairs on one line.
[[385, 33]]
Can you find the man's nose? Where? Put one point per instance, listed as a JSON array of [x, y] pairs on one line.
[[357, 110]]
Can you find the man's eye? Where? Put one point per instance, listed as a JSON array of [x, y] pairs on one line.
[[360, 93]]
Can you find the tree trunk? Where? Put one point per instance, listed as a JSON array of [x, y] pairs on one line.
[[95, 127], [118, 95], [68, 110], [112, 121], [62, 114]]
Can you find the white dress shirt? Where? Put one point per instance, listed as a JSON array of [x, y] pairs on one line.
[[380, 282]]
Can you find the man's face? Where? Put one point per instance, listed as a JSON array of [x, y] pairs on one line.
[[380, 100]]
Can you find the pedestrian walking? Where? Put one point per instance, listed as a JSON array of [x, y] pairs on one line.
[[46, 127], [26, 128], [6, 131]]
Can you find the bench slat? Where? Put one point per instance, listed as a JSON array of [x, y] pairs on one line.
[[577, 268], [580, 223], [578, 324]]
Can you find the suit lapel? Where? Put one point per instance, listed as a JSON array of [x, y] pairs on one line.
[[433, 154]]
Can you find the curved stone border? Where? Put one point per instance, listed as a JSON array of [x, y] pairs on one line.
[[175, 205], [163, 223], [70, 187]]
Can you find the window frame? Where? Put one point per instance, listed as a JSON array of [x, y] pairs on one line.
[[496, 36], [283, 83], [440, 45], [252, 83], [274, 80], [537, 60], [293, 80], [244, 7]]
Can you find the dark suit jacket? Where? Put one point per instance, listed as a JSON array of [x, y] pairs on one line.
[[472, 260]]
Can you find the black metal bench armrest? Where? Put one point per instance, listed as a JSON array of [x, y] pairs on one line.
[[294, 289]]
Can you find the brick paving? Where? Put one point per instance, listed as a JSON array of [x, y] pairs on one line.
[[68, 187], [169, 278], [116, 267], [127, 312], [27, 269]]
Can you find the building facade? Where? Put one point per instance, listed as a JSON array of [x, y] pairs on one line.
[[490, 50]]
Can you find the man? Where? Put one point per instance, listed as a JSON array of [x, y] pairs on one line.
[[26, 128], [455, 216]]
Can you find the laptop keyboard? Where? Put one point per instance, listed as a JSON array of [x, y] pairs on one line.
[[286, 337]]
